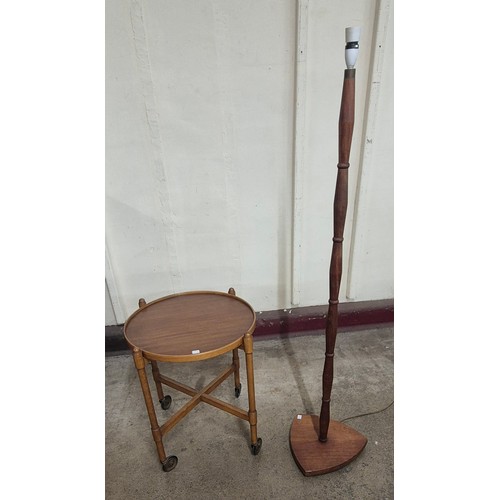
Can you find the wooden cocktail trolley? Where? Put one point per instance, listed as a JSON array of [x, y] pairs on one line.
[[189, 327]]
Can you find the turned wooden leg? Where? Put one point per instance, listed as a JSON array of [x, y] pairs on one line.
[[155, 428], [156, 377], [165, 401], [256, 442], [236, 364]]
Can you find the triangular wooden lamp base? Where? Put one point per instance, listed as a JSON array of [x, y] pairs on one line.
[[313, 457]]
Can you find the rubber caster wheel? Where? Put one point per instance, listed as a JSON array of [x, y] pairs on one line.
[[256, 447], [166, 402], [237, 391], [170, 463]]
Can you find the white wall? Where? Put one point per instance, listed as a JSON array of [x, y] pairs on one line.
[[203, 188]]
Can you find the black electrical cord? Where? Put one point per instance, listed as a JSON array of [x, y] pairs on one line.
[[370, 413]]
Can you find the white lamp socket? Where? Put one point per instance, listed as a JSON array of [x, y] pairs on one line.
[[352, 36]]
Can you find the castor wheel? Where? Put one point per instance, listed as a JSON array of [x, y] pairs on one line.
[[257, 446], [237, 391], [170, 463], [166, 402]]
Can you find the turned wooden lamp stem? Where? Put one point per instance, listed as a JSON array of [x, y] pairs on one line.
[[320, 445], [346, 124]]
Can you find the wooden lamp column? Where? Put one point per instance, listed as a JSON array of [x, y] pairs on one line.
[[320, 445]]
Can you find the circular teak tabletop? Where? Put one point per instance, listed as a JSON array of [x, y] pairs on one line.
[[190, 326]]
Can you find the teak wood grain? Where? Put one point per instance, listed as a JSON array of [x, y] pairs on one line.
[[171, 328], [315, 457]]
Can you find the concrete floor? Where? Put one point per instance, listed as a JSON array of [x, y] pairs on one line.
[[213, 447]]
